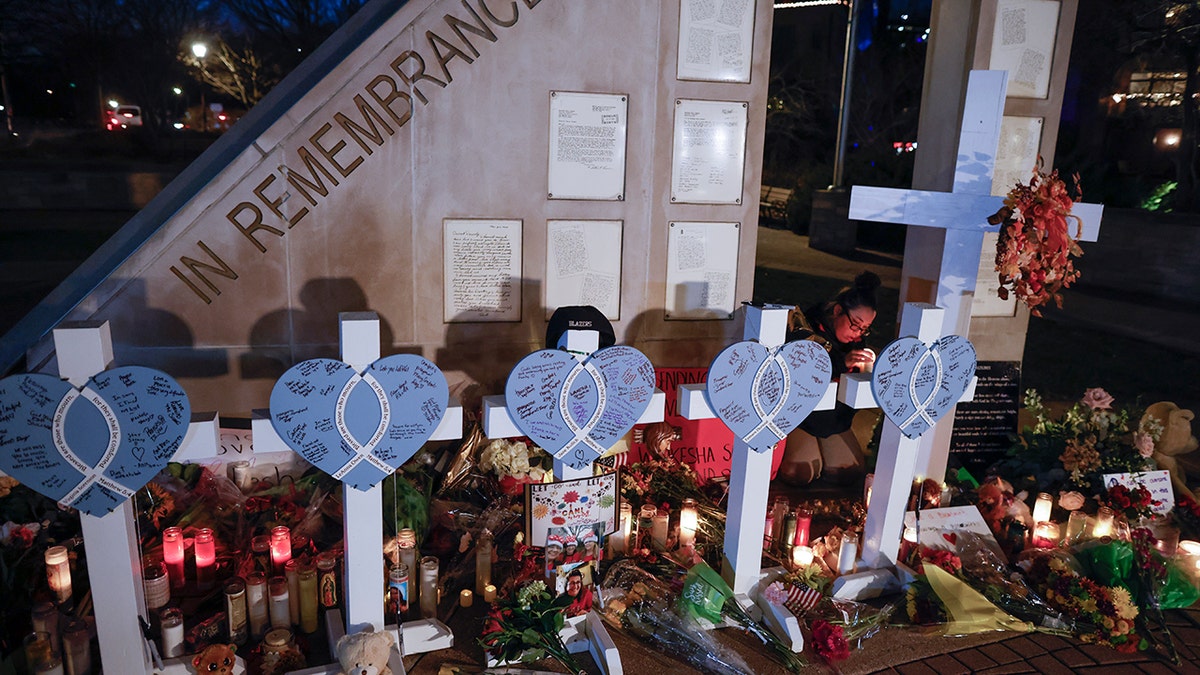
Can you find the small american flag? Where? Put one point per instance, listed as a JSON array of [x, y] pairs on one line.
[[795, 599]]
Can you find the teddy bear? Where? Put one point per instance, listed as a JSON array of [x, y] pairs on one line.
[[1176, 439], [215, 659], [365, 653]]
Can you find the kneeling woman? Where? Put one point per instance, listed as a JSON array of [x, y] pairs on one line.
[[824, 443]]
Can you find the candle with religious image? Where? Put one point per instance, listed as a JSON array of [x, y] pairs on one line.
[[172, 550], [235, 611], [327, 579], [58, 573], [410, 557], [645, 525], [205, 550]]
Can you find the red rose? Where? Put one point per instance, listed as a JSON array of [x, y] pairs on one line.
[[829, 642], [22, 537]]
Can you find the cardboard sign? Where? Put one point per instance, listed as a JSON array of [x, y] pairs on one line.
[[916, 385], [1157, 482], [359, 428], [91, 449], [762, 395], [707, 445], [569, 505], [938, 527], [578, 410]]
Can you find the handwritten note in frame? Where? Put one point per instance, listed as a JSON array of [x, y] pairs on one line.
[[481, 270], [701, 270], [709, 157], [1023, 44], [587, 146], [583, 265], [716, 40]]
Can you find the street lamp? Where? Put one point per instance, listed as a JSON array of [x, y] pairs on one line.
[[200, 50]]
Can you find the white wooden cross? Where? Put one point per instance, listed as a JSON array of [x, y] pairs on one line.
[[962, 215], [586, 632], [362, 519], [114, 566]]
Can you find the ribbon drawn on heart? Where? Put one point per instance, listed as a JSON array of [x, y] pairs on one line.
[[91, 476], [363, 451], [581, 432], [922, 407], [768, 418]]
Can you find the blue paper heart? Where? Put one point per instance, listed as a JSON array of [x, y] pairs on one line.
[[359, 428], [916, 385], [761, 395], [578, 410], [92, 448]]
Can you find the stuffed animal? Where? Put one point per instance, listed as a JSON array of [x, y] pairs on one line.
[[1176, 439], [215, 659], [365, 653]]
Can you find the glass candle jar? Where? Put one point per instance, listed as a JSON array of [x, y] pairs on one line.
[[688, 521], [802, 557], [58, 573], [1105, 525], [645, 525], [281, 548], [45, 620], [239, 473], [1042, 508], [410, 557], [778, 510], [278, 642], [848, 553], [37, 650], [803, 527], [300, 544], [397, 593], [171, 620], [156, 585], [291, 570], [1045, 535], [77, 647], [768, 529], [280, 606], [308, 598], [236, 612], [429, 589], [260, 553], [205, 550], [172, 551], [483, 561], [327, 580], [787, 535], [256, 604], [1076, 523]]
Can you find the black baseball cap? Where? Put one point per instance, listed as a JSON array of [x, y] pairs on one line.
[[579, 317]]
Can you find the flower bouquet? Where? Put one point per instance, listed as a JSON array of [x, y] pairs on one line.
[[515, 463], [525, 627], [1033, 253], [1075, 449]]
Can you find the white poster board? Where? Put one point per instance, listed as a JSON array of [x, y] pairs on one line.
[[701, 270], [1016, 156], [1023, 44], [481, 270], [709, 155], [716, 40], [583, 265], [587, 146]]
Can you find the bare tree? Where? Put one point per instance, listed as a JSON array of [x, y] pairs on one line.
[[285, 32], [240, 74]]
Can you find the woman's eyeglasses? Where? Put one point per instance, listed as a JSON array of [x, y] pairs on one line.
[[862, 329]]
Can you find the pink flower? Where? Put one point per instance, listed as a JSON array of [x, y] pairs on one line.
[[1070, 501], [1097, 399], [1144, 443]]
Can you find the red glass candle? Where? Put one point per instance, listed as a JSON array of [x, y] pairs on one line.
[[803, 527], [205, 550], [173, 556], [281, 548]]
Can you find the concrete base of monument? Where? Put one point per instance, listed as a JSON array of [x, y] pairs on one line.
[[581, 634], [866, 584]]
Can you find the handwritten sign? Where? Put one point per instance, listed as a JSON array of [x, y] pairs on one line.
[[578, 410], [917, 384], [1157, 482], [762, 394], [939, 528], [91, 448], [359, 428], [569, 505]]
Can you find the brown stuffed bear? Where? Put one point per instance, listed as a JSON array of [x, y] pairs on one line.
[[215, 660], [1176, 439]]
